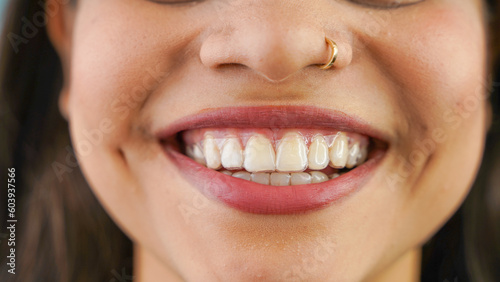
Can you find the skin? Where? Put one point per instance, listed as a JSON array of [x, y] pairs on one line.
[[416, 73]]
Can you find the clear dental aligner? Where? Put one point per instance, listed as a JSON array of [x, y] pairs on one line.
[[287, 158]]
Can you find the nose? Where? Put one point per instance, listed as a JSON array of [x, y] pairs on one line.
[[273, 40]]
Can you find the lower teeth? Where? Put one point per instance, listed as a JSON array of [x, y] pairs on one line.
[[283, 179]]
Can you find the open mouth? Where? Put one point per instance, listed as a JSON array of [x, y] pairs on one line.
[[274, 160]]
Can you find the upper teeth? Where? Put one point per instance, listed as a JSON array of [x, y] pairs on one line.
[[232, 154], [291, 155], [212, 152], [318, 154], [339, 152], [259, 155]]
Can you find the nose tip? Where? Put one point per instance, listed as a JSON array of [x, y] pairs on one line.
[[273, 53]]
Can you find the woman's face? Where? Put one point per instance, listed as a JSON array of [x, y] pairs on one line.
[[236, 83]]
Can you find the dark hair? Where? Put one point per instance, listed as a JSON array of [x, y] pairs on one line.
[[65, 235]]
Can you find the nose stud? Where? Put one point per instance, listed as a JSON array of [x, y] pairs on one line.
[[333, 55]]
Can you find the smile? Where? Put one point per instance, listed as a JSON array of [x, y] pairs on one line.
[[274, 160]]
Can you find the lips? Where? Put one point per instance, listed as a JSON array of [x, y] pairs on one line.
[[233, 187]]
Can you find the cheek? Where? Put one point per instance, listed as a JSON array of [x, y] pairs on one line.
[[443, 81], [439, 70], [441, 61], [436, 66], [119, 61]]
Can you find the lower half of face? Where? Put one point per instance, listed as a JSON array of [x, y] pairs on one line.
[[212, 138]]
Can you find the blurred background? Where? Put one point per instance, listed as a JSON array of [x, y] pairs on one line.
[[2, 8]]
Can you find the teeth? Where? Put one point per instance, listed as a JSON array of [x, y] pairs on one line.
[[259, 155], [333, 176], [339, 152], [318, 154], [189, 151], [259, 163], [354, 153], [280, 179], [232, 154], [212, 153], [242, 175], [300, 178], [292, 154], [260, 177], [318, 177], [362, 155], [195, 153]]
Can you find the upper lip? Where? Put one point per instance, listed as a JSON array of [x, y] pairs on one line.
[[273, 117]]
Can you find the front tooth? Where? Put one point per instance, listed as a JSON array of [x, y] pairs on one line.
[[212, 153], [292, 154], [339, 152], [227, 172], [259, 155], [242, 175], [280, 179], [318, 154], [232, 154], [198, 155], [300, 178], [260, 177], [353, 155], [318, 177]]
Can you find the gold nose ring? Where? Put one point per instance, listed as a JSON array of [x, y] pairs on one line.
[[333, 55]]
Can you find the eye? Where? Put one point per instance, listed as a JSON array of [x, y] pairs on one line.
[[386, 4]]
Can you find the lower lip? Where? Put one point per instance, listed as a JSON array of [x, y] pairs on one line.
[[256, 198]]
